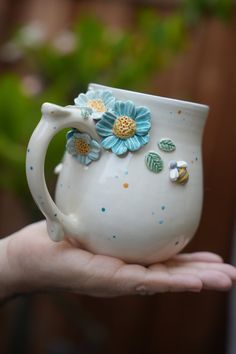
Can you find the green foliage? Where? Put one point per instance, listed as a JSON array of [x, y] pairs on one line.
[[124, 58], [196, 9], [15, 127]]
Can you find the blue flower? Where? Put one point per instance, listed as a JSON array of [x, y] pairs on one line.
[[126, 128], [82, 147], [96, 101]]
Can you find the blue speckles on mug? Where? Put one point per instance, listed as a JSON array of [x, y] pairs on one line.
[[121, 174], [103, 209], [161, 222], [195, 158], [113, 237], [163, 207], [31, 168]]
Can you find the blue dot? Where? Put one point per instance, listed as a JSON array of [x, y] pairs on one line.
[[163, 207], [114, 236], [161, 222], [28, 150], [103, 209], [31, 167], [126, 173]]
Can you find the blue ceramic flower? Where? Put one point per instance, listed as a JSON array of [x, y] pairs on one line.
[[82, 147], [96, 101], [125, 129]]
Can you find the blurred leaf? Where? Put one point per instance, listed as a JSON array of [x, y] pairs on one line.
[[194, 10]]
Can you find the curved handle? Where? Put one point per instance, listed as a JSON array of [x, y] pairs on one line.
[[54, 118]]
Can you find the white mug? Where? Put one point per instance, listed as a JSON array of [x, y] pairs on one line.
[[130, 183]]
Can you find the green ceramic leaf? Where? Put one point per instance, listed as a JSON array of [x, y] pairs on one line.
[[166, 145], [154, 162]]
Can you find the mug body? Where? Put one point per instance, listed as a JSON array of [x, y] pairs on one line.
[[126, 207]]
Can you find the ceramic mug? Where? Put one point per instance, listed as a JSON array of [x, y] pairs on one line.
[[130, 183]]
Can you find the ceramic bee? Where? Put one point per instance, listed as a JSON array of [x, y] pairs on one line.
[[179, 172]]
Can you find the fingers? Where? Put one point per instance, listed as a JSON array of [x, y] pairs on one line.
[[215, 280], [198, 257], [185, 273], [209, 267], [135, 279], [159, 281], [105, 276], [162, 280], [224, 268], [214, 276], [201, 267]]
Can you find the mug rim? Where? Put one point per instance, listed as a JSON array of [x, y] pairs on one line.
[[185, 104]]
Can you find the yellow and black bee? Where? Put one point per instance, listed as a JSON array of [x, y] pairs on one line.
[[179, 172]]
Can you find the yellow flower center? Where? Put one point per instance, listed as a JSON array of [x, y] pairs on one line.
[[97, 105], [82, 147], [124, 127]]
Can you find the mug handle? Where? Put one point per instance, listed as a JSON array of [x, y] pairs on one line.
[[54, 118]]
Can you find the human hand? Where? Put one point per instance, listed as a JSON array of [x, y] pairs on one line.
[[34, 263]]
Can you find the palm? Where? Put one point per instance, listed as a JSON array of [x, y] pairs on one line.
[[45, 265]]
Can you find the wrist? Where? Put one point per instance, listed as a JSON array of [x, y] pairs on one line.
[[9, 274]]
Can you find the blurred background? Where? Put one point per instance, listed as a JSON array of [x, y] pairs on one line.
[[49, 51]]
